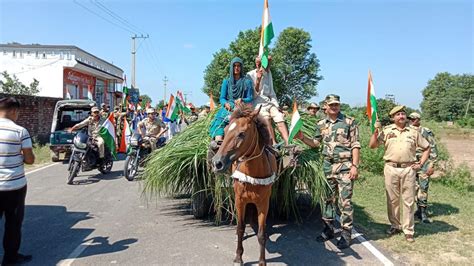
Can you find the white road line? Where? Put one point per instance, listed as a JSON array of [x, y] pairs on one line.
[[75, 253], [381, 257], [39, 169]]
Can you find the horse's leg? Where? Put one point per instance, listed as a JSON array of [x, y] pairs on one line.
[[240, 208], [262, 218]]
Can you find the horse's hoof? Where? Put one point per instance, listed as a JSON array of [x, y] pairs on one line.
[[236, 263]]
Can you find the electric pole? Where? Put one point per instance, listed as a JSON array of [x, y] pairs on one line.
[[468, 103], [186, 93], [134, 51], [164, 81]]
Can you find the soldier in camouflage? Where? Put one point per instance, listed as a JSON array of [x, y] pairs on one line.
[[424, 173], [339, 137]]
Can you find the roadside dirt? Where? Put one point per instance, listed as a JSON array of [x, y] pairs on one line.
[[461, 148]]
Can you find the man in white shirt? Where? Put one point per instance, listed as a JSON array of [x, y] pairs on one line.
[[265, 98], [15, 150]]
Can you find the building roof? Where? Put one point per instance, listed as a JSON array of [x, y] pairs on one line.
[[54, 47]]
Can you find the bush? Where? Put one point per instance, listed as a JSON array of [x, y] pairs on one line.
[[467, 122], [459, 178], [371, 160]]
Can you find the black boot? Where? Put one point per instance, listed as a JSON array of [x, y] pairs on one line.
[[424, 215], [345, 240], [326, 234], [418, 213]]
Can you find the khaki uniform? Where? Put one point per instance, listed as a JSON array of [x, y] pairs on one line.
[[338, 138], [152, 129], [400, 154], [93, 127], [422, 179]]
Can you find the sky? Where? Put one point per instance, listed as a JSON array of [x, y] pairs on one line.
[[403, 43]]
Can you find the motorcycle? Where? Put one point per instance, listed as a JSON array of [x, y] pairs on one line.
[[140, 148], [85, 155]]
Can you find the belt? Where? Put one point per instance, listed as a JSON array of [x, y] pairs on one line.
[[399, 165], [332, 161]]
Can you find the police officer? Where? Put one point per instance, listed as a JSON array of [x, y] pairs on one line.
[[104, 111], [339, 136], [93, 125], [313, 109], [424, 173], [151, 128], [401, 164]]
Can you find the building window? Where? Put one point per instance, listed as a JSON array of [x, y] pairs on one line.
[[68, 55], [14, 54], [44, 55], [36, 54]]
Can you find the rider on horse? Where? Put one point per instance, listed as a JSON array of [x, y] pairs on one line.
[[234, 90]]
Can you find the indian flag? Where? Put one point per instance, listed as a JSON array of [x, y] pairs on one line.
[[172, 111], [182, 103], [126, 135], [371, 103], [107, 132], [266, 35], [89, 93], [296, 122]]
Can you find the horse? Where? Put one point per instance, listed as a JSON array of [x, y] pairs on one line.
[[254, 168]]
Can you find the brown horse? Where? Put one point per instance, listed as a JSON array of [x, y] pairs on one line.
[[253, 170]]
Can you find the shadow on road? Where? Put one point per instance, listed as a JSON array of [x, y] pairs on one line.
[[86, 179], [49, 234]]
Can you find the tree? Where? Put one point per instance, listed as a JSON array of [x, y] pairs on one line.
[[216, 71], [246, 47], [11, 85], [295, 69], [145, 99], [446, 96]]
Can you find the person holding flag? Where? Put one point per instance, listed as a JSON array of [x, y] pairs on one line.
[[93, 124], [235, 89], [338, 135]]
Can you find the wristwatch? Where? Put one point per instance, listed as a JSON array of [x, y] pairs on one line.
[[356, 166]]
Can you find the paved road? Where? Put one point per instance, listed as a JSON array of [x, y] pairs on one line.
[[105, 220]]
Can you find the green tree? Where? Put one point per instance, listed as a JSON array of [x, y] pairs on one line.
[[295, 69], [246, 47], [216, 71], [145, 99], [445, 98], [11, 85]]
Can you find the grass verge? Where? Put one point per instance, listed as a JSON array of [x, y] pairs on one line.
[[448, 239], [42, 156]]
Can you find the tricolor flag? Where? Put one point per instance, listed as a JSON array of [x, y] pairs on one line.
[[89, 93], [266, 35], [107, 132], [212, 104], [296, 122], [182, 103], [172, 111], [371, 104], [126, 135], [68, 94]]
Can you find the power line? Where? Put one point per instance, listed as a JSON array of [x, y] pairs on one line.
[[117, 17], [97, 14]]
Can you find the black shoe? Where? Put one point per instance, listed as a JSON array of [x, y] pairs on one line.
[[343, 243], [393, 231], [18, 259], [418, 214], [325, 236]]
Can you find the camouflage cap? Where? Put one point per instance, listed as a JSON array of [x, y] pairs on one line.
[[396, 109], [150, 110], [95, 109], [414, 115], [313, 105], [332, 98]]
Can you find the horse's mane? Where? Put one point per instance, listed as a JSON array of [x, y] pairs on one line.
[[245, 110]]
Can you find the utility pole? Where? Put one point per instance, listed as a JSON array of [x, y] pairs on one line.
[[467, 108], [164, 81], [186, 93], [134, 51]]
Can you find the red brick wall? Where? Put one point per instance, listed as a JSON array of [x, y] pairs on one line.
[[36, 115]]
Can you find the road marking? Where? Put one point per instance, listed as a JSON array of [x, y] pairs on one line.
[[39, 169], [75, 253], [381, 257]]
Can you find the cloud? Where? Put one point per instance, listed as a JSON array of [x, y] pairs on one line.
[[188, 46]]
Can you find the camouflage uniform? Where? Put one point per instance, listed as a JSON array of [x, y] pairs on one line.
[[338, 138], [423, 180]]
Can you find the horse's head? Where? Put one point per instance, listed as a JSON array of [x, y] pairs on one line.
[[240, 138]]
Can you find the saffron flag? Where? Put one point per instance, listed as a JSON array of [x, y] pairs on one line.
[[266, 35], [212, 105], [126, 135], [172, 111], [371, 104], [296, 122], [107, 132]]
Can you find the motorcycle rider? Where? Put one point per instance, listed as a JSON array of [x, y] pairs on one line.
[[151, 129], [93, 123]]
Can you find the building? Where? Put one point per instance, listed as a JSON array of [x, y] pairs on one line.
[[63, 71]]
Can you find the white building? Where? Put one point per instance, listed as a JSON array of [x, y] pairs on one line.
[[63, 71]]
